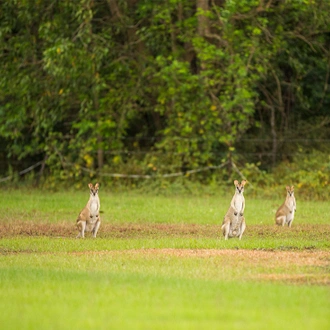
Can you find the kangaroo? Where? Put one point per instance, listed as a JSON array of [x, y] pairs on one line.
[[89, 218], [233, 224], [286, 211]]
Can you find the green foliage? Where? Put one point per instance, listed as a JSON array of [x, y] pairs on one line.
[[309, 173], [139, 87]]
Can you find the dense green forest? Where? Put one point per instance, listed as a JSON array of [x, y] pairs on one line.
[[159, 87]]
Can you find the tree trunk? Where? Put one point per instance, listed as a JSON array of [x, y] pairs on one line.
[[100, 153], [274, 135], [203, 21]]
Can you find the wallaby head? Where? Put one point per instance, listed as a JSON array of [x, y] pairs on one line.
[[93, 189], [239, 186], [290, 191]]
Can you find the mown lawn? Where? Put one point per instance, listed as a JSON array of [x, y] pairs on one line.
[[147, 290], [160, 263], [36, 205]]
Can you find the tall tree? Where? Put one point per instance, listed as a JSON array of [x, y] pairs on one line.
[[176, 84]]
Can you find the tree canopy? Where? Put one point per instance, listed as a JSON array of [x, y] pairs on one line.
[[153, 87]]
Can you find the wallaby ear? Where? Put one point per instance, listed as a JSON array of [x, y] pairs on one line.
[[236, 183], [292, 187], [90, 186], [287, 188], [97, 186], [243, 182]]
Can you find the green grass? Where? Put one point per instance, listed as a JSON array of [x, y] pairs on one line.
[[47, 244], [133, 208], [61, 291], [124, 283]]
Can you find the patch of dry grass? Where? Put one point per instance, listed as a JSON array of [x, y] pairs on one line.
[[150, 230], [295, 267]]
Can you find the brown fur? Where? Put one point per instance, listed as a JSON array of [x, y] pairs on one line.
[[89, 218], [285, 213], [233, 224]]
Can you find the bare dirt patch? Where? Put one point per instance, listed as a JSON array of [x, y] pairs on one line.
[[308, 266], [298, 267], [269, 258], [131, 230], [296, 278]]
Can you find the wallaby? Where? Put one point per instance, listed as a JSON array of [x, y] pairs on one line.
[[89, 218], [233, 224], [285, 212]]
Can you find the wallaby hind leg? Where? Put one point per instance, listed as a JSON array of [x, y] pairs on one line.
[[96, 228], [225, 229], [243, 226], [81, 226], [281, 220], [290, 223]]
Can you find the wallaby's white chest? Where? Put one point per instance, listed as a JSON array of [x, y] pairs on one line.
[[239, 202], [291, 203], [94, 206]]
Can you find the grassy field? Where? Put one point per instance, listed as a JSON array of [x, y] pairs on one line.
[[161, 263], [133, 208]]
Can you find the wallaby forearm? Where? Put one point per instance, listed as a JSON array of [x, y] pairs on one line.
[[232, 204]]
